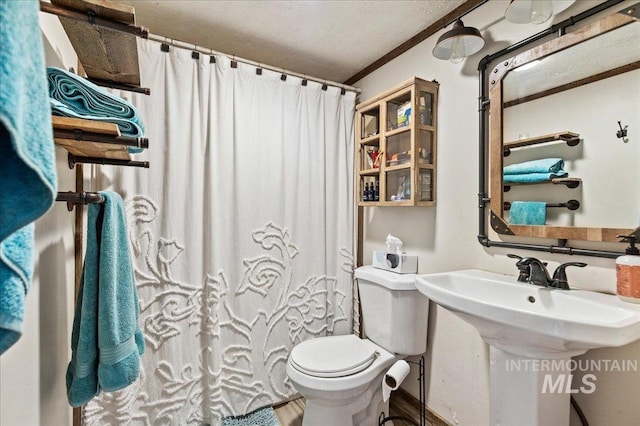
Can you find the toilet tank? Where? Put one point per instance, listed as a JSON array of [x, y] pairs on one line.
[[394, 313]]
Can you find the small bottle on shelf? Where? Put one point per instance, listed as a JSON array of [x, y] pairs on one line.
[[365, 195], [376, 191]]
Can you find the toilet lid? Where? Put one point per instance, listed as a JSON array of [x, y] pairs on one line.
[[333, 356]]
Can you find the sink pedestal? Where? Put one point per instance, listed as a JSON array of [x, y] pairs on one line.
[[529, 392], [533, 333]]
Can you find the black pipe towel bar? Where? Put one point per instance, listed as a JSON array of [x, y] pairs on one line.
[[73, 198], [120, 86], [73, 159], [571, 205], [79, 135]]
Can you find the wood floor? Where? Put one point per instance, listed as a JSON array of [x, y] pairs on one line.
[[401, 404], [290, 413]]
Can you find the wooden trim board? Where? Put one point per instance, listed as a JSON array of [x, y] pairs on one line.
[[108, 9], [105, 54], [402, 403], [86, 148], [415, 40], [90, 126]]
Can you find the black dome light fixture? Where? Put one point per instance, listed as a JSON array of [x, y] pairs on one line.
[[458, 43]]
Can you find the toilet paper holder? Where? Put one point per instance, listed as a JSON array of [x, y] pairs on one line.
[[383, 418]]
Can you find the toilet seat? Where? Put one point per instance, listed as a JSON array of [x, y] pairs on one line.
[[333, 356]]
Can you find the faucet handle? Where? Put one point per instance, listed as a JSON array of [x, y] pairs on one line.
[[523, 276], [523, 265], [559, 279]]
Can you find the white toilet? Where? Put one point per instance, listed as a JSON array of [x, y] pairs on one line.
[[341, 376]]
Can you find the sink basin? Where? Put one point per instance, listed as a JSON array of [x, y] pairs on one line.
[[522, 322], [533, 321]]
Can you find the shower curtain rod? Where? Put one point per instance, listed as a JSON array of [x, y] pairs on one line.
[[205, 51]]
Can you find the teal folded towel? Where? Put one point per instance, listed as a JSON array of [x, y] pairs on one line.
[[127, 128], [27, 159], [74, 96], [106, 340], [533, 177], [528, 213], [543, 165]]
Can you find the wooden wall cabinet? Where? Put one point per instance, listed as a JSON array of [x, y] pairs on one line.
[[396, 141]]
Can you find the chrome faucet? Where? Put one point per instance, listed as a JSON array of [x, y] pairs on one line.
[[534, 271]]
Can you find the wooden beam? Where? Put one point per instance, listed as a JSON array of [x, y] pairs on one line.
[[116, 11], [415, 40]]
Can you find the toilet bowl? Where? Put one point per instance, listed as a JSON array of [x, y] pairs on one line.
[[341, 376]]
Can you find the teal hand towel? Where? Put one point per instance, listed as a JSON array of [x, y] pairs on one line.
[[528, 213], [106, 340], [27, 159], [543, 165], [74, 96], [533, 177]]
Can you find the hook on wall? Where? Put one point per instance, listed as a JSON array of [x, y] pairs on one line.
[[622, 133]]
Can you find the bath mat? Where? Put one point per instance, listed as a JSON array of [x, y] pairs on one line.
[[262, 417]]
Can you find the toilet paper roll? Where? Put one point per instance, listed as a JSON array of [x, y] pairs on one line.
[[394, 377]]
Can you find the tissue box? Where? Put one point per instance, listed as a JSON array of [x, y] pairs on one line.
[[405, 264]]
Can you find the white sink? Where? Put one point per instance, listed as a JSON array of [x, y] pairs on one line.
[[533, 321], [523, 323]]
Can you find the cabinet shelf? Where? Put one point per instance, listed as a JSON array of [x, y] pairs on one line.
[[398, 130], [369, 172], [405, 166], [103, 34], [371, 140], [571, 138], [370, 203]]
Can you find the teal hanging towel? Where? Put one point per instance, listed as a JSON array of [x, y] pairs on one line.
[[28, 178], [106, 341], [528, 213]]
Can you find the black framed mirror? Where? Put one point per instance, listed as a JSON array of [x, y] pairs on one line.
[[558, 166]]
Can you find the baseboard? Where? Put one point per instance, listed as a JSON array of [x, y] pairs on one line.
[[401, 397]]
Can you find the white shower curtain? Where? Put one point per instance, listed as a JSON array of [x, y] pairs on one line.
[[242, 232]]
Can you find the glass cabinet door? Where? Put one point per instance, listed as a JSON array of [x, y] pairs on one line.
[[398, 185], [369, 156], [399, 111]]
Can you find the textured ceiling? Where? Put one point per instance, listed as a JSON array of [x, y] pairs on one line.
[[329, 39]]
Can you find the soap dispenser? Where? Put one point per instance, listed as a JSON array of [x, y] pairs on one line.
[[628, 271]]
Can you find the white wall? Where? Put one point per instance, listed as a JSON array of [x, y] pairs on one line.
[[32, 372], [444, 236]]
